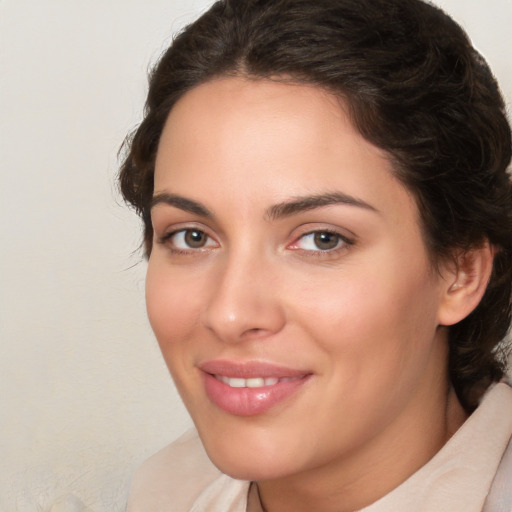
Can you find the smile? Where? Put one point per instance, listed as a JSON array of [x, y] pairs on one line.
[[253, 382], [250, 388]]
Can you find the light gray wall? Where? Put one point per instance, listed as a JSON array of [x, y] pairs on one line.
[[84, 394]]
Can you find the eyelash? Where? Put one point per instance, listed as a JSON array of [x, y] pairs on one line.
[[343, 242], [165, 240], [318, 253]]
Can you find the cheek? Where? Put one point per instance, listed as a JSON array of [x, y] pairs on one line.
[[376, 336], [380, 317], [172, 306]]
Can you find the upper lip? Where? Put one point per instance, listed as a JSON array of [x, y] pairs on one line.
[[249, 369]]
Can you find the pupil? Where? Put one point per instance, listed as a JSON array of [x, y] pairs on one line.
[[195, 238], [326, 241]]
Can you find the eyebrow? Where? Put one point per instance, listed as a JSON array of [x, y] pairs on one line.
[[187, 205], [305, 203], [277, 211]]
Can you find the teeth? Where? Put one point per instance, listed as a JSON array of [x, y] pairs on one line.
[[237, 383], [254, 382]]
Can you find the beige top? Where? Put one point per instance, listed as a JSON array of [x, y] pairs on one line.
[[181, 478]]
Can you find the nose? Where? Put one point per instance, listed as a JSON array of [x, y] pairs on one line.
[[244, 303]]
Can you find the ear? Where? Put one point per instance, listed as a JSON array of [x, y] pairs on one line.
[[465, 277]]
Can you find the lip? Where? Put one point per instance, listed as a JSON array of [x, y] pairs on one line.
[[248, 401]]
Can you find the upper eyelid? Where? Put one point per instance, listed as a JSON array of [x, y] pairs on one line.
[[163, 222], [174, 231], [343, 238], [316, 227], [183, 226]]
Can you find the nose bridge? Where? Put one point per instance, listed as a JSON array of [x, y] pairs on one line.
[[243, 301]]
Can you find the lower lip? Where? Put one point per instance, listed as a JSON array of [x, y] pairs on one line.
[[249, 401]]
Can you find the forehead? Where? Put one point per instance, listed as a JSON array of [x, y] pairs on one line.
[[251, 109], [244, 140]]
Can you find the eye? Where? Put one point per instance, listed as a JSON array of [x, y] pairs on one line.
[[186, 239], [321, 241]]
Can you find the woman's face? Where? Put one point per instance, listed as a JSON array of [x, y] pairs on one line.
[[289, 286]]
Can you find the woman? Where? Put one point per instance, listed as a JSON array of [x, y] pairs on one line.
[[328, 221]]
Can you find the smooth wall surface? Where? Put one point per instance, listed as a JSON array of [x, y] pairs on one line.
[[84, 395]]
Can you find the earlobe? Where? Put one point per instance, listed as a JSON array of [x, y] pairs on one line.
[[465, 281]]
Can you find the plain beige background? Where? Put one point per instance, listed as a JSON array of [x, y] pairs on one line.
[[84, 395]]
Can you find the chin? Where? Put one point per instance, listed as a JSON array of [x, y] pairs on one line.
[[250, 469], [244, 458]]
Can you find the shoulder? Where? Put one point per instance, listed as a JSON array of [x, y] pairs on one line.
[[500, 494], [173, 478]]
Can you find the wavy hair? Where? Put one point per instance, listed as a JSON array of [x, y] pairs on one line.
[[415, 87]]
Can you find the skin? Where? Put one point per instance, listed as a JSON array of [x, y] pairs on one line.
[[365, 318]]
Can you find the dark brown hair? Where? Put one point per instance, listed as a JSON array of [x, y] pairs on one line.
[[416, 88]]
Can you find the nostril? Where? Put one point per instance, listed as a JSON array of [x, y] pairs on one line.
[[255, 332]]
